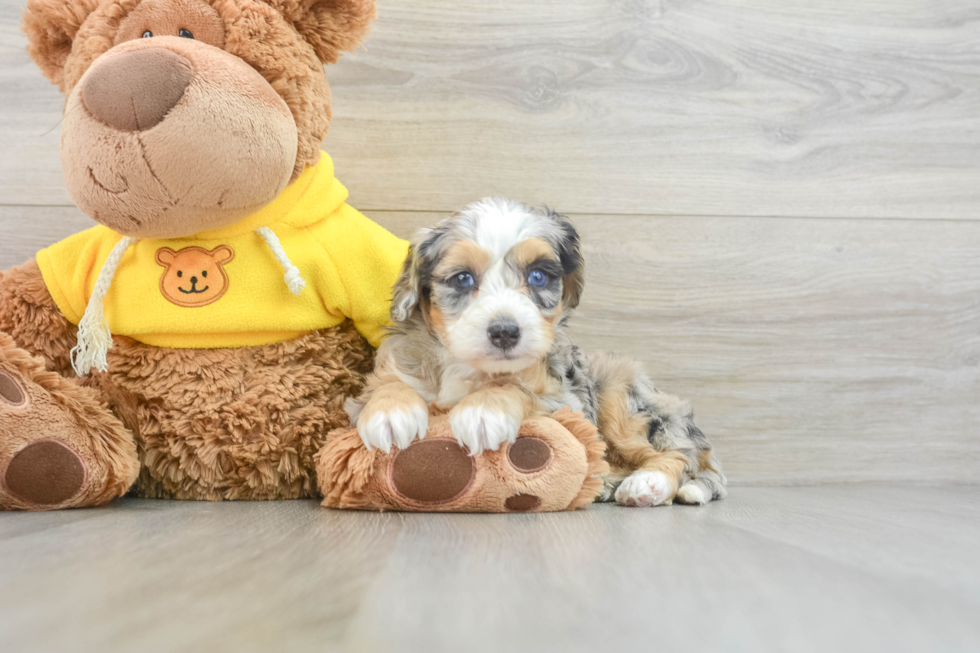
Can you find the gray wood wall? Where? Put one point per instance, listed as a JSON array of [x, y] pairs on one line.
[[780, 199]]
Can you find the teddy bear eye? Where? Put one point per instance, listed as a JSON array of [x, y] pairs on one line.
[[204, 273], [147, 34], [185, 34], [180, 273]]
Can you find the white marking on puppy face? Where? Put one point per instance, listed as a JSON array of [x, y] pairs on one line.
[[499, 224]]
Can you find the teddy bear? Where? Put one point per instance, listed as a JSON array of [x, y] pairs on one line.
[[200, 341]]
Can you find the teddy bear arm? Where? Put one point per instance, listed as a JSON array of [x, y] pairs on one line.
[[30, 316]]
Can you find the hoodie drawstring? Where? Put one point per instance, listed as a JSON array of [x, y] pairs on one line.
[[94, 338], [293, 277]]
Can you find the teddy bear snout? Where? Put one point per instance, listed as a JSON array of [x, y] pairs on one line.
[[134, 91]]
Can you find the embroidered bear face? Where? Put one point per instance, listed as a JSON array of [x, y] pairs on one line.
[[194, 276]]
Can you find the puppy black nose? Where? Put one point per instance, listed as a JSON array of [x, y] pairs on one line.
[[193, 280], [504, 334], [134, 91]]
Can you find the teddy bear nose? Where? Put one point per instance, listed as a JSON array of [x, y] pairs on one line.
[[134, 91]]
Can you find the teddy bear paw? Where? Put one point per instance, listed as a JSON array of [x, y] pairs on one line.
[[547, 464], [40, 471]]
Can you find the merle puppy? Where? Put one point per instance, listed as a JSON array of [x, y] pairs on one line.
[[479, 318]]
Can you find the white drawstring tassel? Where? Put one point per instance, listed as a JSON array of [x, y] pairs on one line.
[[94, 337], [294, 279]]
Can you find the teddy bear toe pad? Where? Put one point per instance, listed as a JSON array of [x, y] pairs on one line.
[[45, 473], [10, 391], [40, 470], [529, 454], [432, 471]]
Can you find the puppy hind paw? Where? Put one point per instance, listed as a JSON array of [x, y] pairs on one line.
[[644, 488], [478, 428], [691, 494]]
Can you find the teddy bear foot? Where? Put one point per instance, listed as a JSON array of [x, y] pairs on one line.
[[43, 472], [58, 447], [554, 464]]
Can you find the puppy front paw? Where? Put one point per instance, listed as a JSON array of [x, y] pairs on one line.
[[644, 488], [478, 428], [398, 426]]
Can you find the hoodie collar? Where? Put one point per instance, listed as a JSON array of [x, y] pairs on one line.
[[315, 194]]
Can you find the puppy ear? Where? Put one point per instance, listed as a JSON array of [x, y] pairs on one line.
[[51, 26], [569, 250], [330, 26], [416, 278]]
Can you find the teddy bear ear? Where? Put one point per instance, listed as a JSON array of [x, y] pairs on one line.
[[330, 26], [166, 257], [51, 26]]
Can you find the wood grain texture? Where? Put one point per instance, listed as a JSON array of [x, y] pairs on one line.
[[756, 107], [813, 350], [835, 568]]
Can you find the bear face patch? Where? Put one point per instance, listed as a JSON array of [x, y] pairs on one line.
[[194, 276]]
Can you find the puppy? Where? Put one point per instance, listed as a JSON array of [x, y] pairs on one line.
[[479, 317]]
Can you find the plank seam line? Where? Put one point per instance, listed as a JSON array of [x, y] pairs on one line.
[[887, 218]]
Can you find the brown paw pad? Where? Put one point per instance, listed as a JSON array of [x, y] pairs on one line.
[[529, 454], [522, 502], [45, 473], [432, 471], [10, 390]]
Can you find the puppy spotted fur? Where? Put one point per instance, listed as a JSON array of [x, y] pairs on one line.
[[479, 316]]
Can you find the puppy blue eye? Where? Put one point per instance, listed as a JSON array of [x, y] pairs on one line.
[[463, 280], [537, 278], [147, 34]]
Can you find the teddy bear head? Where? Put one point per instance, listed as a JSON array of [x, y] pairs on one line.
[[187, 115]]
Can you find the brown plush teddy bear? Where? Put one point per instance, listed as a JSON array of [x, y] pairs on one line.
[[201, 341]]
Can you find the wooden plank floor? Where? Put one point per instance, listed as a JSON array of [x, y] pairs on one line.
[[841, 568]]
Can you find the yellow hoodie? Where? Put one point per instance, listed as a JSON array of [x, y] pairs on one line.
[[225, 288]]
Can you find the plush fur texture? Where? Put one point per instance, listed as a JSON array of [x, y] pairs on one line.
[[352, 476], [30, 316], [239, 423], [240, 114]]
